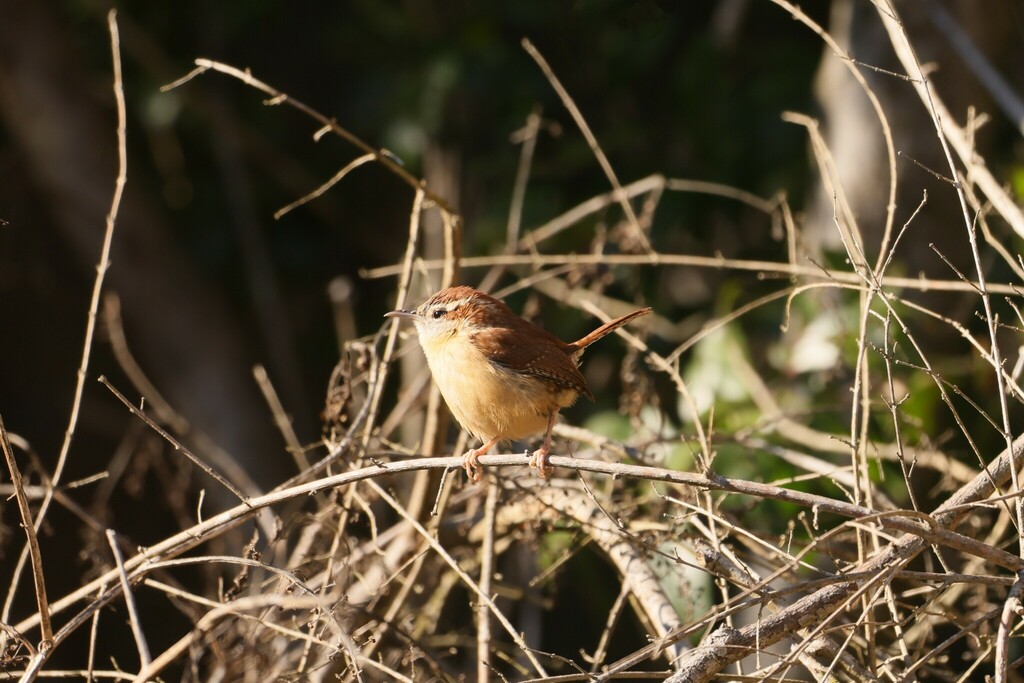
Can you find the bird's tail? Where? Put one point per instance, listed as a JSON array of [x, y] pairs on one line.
[[609, 327]]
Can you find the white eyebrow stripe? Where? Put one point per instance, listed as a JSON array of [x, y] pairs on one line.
[[452, 304]]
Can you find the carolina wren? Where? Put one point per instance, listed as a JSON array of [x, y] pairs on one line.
[[503, 377]]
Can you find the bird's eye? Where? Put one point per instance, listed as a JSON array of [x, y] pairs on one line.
[[438, 313]]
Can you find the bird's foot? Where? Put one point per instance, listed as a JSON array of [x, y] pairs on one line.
[[471, 463], [539, 459]]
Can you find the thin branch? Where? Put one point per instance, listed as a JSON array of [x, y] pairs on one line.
[[1004, 95], [277, 97], [947, 127], [281, 418], [129, 599], [178, 446], [1011, 608], [712, 262], [483, 613], [592, 141], [935, 531], [466, 579], [949, 134], [104, 262], [335, 179], [94, 303], [35, 554]]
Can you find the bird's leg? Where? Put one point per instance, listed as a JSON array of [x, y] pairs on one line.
[[471, 460], [540, 456]]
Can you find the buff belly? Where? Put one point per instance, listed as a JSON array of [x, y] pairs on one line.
[[488, 400]]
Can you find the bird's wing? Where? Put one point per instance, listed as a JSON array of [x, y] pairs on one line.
[[547, 357]]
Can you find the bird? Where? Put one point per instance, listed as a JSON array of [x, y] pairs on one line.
[[503, 377]]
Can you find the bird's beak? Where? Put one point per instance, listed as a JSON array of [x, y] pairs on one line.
[[412, 315]]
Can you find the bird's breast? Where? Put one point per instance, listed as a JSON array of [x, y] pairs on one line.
[[487, 399]]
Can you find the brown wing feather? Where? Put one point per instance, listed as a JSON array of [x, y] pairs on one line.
[[534, 352]]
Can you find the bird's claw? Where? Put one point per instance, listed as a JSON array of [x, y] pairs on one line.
[[539, 459], [471, 463]]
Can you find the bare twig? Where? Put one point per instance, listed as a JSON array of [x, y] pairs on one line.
[[277, 97], [975, 59], [933, 532], [581, 122], [162, 410], [178, 446], [335, 179], [94, 303], [281, 419], [947, 127], [1011, 608], [949, 134], [711, 262], [483, 614], [129, 599], [35, 554], [466, 579]]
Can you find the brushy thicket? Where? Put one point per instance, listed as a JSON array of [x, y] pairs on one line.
[[750, 509]]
